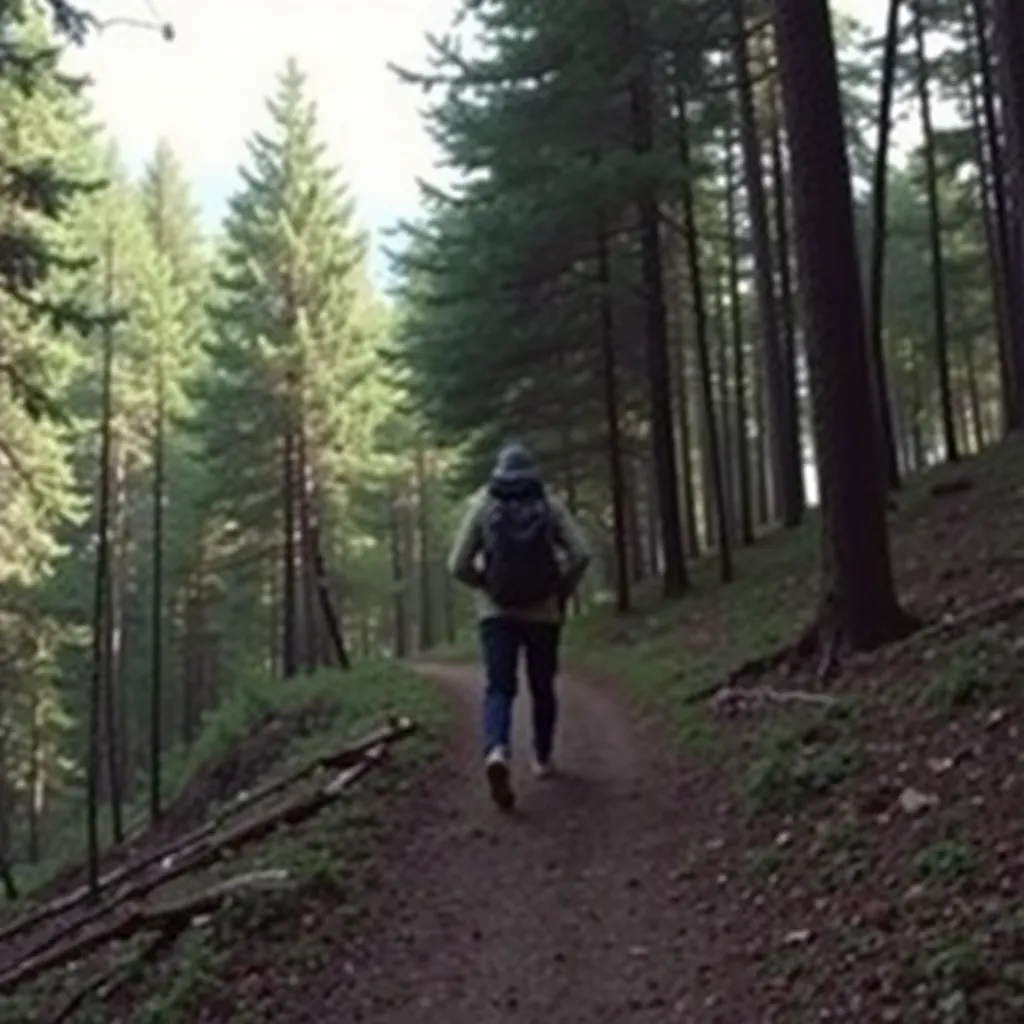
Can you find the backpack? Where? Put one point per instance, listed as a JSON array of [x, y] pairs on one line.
[[521, 567]]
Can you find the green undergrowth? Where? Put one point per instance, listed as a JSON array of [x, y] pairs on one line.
[[261, 732], [663, 652], [312, 713]]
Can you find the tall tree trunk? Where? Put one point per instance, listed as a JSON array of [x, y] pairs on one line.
[[308, 510], [113, 632], [675, 579], [721, 333], [1012, 312], [6, 871], [700, 322], [99, 609], [36, 779], [786, 298], [938, 262], [273, 626], [973, 394], [425, 548], [740, 376], [784, 433], [289, 582], [156, 664], [631, 476], [306, 559], [859, 604], [762, 455], [192, 660], [876, 271], [613, 441], [1008, 38], [400, 618], [686, 467], [984, 159]]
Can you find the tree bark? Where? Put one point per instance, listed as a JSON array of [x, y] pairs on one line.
[[1008, 39], [700, 319], [784, 433], [938, 261], [613, 441], [740, 375], [289, 581], [100, 587], [675, 578], [859, 604], [879, 230]]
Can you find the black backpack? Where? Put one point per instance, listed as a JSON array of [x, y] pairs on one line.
[[520, 563]]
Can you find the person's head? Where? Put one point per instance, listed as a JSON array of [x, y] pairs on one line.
[[514, 463]]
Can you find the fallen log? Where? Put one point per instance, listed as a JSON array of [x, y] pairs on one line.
[[106, 982], [207, 852], [396, 729], [172, 917]]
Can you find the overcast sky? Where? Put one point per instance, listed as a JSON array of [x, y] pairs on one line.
[[205, 91]]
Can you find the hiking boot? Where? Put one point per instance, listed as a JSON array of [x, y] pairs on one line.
[[542, 769], [499, 779]]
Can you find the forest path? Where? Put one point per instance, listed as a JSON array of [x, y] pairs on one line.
[[572, 910]]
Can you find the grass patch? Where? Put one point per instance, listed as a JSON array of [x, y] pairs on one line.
[[976, 670], [262, 731], [946, 860], [664, 652], [796, 761]]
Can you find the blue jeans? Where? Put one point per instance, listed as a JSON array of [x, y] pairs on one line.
[[501, 640]]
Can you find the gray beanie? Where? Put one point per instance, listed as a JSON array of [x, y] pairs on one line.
[[514, 462]]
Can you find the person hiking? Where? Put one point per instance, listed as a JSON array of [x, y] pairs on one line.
[[523, 555]]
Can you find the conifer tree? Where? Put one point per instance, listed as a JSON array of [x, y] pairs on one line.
[[289, 397]]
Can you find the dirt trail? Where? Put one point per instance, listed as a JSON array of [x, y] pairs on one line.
[[571, 911]]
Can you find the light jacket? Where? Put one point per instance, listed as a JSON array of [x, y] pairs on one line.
[[466, 556]]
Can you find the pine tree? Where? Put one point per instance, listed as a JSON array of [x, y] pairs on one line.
[[38, 184], [859, 604], [291, 362], [177, 326]]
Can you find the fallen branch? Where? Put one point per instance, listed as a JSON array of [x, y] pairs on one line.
[[345, 756], [206, 852], [106, 982], [803, 647], [396, 729], [732, 699], [171, 918]]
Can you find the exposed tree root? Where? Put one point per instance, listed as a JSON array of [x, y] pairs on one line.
[[731, 700], [788, 656], [828, 645], [346, 756]]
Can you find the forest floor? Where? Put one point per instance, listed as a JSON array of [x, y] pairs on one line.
[[742, 859]]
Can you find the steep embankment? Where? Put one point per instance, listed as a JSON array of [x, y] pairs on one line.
[[273, 830]]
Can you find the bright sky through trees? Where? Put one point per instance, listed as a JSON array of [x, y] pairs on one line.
[[206, 90]]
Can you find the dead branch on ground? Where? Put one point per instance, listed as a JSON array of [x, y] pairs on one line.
[[346, 756], [171, 918]]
